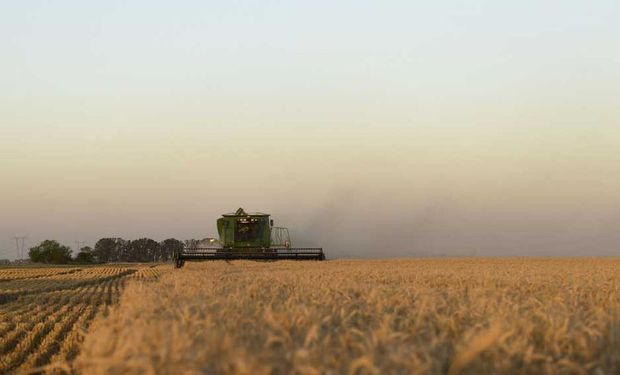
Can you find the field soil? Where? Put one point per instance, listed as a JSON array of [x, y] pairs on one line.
[[422, 316]]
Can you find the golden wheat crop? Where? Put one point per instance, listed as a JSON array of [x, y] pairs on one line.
[[45, 311], [427, 316]]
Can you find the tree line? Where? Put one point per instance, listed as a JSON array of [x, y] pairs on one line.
[[107, 250]]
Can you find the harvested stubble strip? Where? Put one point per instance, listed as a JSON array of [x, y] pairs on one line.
[[6, 326], [43, 312], [30, 343], [24, 304], [49, 344], [13, 276], [43, 307], [70, 344], [26, 322], [69, 298], [82, 303], [60, 284], [60, 340], [11, 339]]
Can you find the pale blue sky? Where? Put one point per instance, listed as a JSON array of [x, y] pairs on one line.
[[482, 124]]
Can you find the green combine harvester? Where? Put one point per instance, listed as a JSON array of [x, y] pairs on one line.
[[247, 236]]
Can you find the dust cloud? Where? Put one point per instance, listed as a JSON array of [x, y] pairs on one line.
[[347, 228]]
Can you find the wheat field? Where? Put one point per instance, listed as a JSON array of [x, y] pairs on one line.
[[44, 312], [422, 316]]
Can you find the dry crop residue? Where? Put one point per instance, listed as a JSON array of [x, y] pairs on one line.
[[44, 311], [427, 316]]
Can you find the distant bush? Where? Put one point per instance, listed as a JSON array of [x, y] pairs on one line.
[[85, 255]]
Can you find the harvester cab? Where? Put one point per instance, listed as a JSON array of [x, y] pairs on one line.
[[245, 235]]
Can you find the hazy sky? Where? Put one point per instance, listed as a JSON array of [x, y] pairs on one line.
[[372, 128]]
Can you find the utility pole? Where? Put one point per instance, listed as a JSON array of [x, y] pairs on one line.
[[19, 249], [16, 246], [79, 246], [24, 238]]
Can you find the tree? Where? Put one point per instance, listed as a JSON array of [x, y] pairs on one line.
[[143, 250], [104, 250], [50, 251], [85, 255], [121, 250], [110, 250], [168, 248]]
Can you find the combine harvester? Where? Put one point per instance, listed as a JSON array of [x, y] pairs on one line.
[[247, 236]]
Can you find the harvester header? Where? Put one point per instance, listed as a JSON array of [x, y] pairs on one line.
[[245, 235]]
